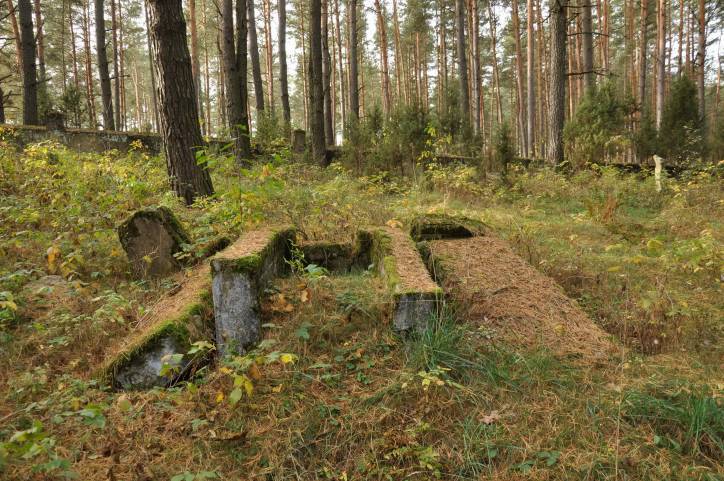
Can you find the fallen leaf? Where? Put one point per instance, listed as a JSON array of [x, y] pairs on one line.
[[254, 372], [490, 418], [304, 296], [52, 256]]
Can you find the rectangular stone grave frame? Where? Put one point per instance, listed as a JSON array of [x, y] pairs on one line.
[[416, 296], [238, 280]]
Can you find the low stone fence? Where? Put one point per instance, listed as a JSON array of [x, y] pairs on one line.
[[87, 140]]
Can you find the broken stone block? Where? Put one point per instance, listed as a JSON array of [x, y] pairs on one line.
[[144, 370], [239, 275], [417, 297], [442, 226], [150, 238]]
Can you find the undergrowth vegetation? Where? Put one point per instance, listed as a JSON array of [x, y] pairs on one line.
[[331, 393]]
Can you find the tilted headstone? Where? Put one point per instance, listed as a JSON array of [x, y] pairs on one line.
[[150, 238]]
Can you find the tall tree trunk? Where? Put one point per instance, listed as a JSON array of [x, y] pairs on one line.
[[519, 79], [353, 61], [643, 50], [106, 95], [195, 69], [316, 98], [589, 76], [268, 53], [151, 61], [660, 59], [557, 77], [254, 54], [701, 58], [235, 80], [462, 62], [496, 69], [122, 107], [16, 35], [283, 80], [207, 75], [680, 57], [326, 76], [385, 74], [116, 66], [64, 67], [340, 67], [475, 79], [530, 71], [177, 98], [306, 94], [40, 40], [399, 67], [30, 76]]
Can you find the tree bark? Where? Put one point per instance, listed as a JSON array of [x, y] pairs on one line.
[[661, 64], [235, 79], [106, 95], [116, 66], [268, 53], [16, 35], [530, 70], [254, 55], [30, 76], [195, 69], [353, 61], [177, 98], [496, 69], [589, 76], [462, 62], [340, 66], [557, 81], [316, 100], [40, 39], [701, 58], [154, 99], [326, 76], [385, 74], [519, 79], [476, 80], [283, 77], [643, 49]]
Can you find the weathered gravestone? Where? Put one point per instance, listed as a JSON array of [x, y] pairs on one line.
[[150, 238], [299, 141]]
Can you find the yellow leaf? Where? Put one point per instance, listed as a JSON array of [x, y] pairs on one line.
[[287, 358], [614, 269], [52, 255], [219, 397], [394, 223], [225, 370], [254, 372], [8, 305], [278, 388]]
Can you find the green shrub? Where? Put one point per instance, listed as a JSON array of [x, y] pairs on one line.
[[680, 134]]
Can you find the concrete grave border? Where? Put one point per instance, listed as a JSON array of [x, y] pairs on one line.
[[416, 296], [190, 311]]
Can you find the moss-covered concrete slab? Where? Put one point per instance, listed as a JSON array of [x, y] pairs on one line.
[[416, 295], [442, 226], [239, 275], [180, 319]]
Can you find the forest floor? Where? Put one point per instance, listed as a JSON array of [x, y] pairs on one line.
[[332, 393]]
